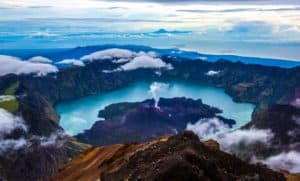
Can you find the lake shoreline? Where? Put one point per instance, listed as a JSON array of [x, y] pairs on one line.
[[81, 110]]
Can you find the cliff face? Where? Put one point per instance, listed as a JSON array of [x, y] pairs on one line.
[[260, 85], [141, 121], [36, 162], [38, 149], [180, 157], [284, 122]]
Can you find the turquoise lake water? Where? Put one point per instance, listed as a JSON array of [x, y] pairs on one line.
[[81, 114]]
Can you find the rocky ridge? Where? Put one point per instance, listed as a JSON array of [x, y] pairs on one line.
[[180, 157]]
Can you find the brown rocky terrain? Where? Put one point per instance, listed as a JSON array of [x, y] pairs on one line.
[[179, 157]]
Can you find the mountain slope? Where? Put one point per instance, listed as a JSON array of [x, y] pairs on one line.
[[180, 157]]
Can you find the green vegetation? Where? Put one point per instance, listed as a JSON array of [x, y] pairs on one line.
[[12, 105]]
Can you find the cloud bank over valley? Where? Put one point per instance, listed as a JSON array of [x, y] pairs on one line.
[[21, 139], [242, 142], [14, 65]]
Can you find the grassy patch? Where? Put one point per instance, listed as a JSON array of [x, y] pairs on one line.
[[11, 106]]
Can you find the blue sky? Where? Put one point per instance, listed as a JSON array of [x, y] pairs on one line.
[[265, 28]]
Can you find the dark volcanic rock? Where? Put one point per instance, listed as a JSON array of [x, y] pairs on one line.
[[38, 113], [181, 157], [127, 122], [32, 160], [35, 162], [284, 122]]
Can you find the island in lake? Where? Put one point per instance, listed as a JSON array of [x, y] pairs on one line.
[[142, 121]]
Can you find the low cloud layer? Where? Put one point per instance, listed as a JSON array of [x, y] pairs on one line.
[[114, 53], [10, 123], [239, 137], [4, 98], [55, 139], [171, 2], [72, 62], [289, 161], [40, 59], [128, 60], [214, 128], [14, 65], [241, 143], [145, 61], [205, 128], [212, 73]]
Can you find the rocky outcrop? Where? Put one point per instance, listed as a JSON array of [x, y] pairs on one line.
[[39, 150], [36, 162], [38, 113], [141, 121], [284, 122], [180, 157]]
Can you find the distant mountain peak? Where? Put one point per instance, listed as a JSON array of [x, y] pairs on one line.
[[164, 31], [161, 31]]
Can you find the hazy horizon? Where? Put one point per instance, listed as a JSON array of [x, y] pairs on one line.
[[259, 28]]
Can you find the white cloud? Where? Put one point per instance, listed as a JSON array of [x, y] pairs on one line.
[[13, 65], [9, 122], [133, 60], [289, 161], [241, 142], [159, 73], [246, 137], [229, 141], [114, 53], [4, 98], [55, 139], [145, 61], [207, 127], [12, 144], [203, 58], [41, 34], [40, 59], [296, 102], [212, 73], [121, 60], [72, 61]]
